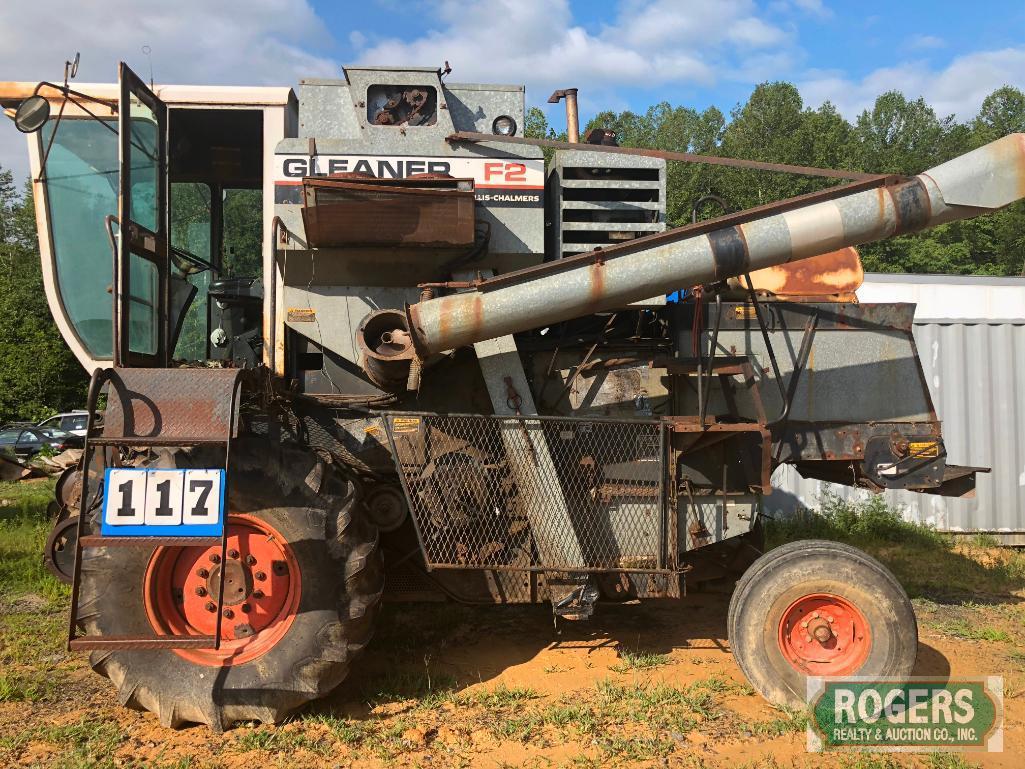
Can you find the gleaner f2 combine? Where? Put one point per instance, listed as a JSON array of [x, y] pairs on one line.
[[365, 345]]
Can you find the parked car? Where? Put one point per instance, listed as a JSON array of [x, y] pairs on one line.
[[26, 442], [71, 421], [62, 439]]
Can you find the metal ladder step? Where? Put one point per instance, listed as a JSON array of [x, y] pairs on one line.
[[129, 440], [96, 540], [93, 643]]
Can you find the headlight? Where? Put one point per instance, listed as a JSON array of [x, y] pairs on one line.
[[503, 126]]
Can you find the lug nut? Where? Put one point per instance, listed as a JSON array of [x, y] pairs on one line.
[[245, 607], [228, 613], [260, 576], [211, 606], [808, 639], [200, 591], [214, 558], [829, 619], [202, 573], [804, 624], [233, 554], [250, 559], [257, 594]]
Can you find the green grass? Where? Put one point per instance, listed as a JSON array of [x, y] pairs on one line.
[[88, 742], [32, 601], [788, 722], [499, 698], [401, 685], [925, 561], [632, 661], [24, 527], [278, 740], [965, 630]]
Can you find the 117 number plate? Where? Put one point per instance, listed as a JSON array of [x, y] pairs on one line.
[[163, 503]]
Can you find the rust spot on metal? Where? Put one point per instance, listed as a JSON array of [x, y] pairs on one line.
[[597, 282], [477, 311], [838, 272], [881, 197]]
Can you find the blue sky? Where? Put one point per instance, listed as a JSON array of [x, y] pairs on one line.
[[844, 51], [620, 53]]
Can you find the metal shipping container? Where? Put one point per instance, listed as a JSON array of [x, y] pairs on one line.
[[976, 372]]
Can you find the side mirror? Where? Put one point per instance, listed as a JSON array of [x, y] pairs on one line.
[[32, 114]]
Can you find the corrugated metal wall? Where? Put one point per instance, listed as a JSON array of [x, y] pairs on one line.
[[976, 371]]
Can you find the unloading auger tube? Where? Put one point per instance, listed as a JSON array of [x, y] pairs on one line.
[[976, 183]]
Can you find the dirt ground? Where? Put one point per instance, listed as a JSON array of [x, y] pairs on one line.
[[640, 685]]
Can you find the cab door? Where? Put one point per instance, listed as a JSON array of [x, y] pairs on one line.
[[141, 285]]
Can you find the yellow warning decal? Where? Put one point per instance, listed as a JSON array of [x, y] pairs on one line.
[[405, 424], [372, 429], [924, 449], [745, 312], [301, 315]]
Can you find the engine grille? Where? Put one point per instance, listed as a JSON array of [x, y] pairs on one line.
[[542, 493]]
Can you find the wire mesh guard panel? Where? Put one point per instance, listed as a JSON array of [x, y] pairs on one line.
[[534, 492]]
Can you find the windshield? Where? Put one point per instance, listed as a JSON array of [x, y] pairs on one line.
[[81, 189]]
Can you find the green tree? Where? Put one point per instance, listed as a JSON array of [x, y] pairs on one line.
[[38, 374], [897, 136], [1002, 113], [535, 126]]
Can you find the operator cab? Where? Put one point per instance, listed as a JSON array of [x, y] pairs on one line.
[[187, 176]]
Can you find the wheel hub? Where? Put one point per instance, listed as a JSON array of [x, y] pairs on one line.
[[238, 583], [824, 634], [261, 592]]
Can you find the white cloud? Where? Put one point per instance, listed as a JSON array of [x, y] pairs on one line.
[[957, 89], [251, 42], [648, 43], [814, 7], [925, 42]]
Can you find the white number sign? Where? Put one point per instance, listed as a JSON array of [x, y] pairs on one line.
[[162, 502], [125, 498], [202, 503]]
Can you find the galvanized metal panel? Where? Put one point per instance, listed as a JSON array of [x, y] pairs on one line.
[[976, 373], [978, 298]]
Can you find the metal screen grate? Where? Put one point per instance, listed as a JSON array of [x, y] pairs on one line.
[[534, 492]]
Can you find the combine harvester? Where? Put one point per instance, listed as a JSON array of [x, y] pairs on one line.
[[363, 345]]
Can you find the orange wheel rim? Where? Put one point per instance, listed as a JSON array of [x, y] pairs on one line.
[[822, 634], [262, 587]]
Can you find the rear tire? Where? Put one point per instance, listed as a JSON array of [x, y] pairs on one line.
[[818, 608], [312, 640]]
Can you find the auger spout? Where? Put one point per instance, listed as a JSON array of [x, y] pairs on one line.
[[975, 183]]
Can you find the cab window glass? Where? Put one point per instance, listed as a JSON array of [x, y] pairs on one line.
[[81, 189], [191, 218], [242, 228], [402, 105]]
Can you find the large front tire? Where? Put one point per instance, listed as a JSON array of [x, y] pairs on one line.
[[818, 608], [305, 607]]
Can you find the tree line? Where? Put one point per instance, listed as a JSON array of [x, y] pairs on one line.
[[896, 136]]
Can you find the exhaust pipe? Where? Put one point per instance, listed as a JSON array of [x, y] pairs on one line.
[[973, 184], [572, 115]]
